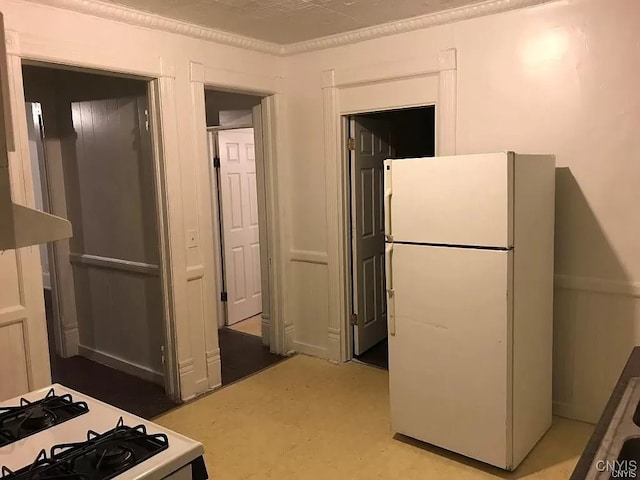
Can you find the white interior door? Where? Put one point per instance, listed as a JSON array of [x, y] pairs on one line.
[[240, 233], [372, 147], [449, 348]]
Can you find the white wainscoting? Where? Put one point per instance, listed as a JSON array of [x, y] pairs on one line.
[[596, 325], [309, 274]]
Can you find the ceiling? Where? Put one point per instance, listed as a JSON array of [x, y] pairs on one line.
[[291, 21]]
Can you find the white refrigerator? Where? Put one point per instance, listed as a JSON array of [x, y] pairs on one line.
[[469, 278]]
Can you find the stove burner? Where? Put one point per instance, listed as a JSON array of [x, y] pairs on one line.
[[27, 418], [38, 418], [112, 457], [102, 456]]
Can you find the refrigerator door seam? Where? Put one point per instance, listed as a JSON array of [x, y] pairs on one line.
[[453, 245]]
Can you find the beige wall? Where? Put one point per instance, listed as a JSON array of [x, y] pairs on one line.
[[225, 102], [558, 78]]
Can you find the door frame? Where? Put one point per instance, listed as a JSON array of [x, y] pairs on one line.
[[158, 92], [216, 199], [218, 241], [429, 80], [279, 334]]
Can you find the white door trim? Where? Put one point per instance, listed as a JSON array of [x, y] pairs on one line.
[[160, 94], [343, 93], [270, 88]]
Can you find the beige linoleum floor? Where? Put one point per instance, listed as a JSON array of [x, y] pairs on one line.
[[252, 326], [306, 418]]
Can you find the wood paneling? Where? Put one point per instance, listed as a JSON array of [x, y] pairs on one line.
[[594, 334]]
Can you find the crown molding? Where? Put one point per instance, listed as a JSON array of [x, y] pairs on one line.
[[410, 24], [120, 13], [131, 16]]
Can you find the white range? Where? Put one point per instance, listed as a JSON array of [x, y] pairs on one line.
[[167, 455]]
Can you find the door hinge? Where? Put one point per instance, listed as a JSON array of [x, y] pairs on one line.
[[216, 162], [223, 296], [351, 144], [162, 354], [146, 119], [354, 319]]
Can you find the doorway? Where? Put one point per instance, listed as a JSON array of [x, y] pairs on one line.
[[92, 156], [371, 139], [234, 136]]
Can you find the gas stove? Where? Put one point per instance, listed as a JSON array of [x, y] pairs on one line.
[[59, 434]]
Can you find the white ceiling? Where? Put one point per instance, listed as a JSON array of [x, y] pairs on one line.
[[291, 21]]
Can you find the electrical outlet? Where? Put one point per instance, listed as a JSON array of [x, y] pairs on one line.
[[192, 239]]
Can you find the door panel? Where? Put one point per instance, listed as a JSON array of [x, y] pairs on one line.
[[240, 233], [373, 145], [448, 358], [461, 200]]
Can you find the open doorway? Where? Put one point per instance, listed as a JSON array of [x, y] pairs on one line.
[[371, 139], [234, 135], [92, 156]]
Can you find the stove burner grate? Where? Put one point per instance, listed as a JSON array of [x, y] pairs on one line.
[[42, 468], [28, 418], [100, 457]]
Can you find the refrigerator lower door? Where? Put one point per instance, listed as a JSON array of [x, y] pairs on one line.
[[449, 368]]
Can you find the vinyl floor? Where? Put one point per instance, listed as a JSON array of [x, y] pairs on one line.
[[306, 418]]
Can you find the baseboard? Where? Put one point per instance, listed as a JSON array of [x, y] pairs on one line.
[[312, 350], [71, 341], [214, 368], [118, 363], [574, 412], [597, 285], [289, 335], [335, 345], [266, 330]]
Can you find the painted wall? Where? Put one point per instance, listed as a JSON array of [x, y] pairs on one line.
[[39, 32], [558, 78], [226, 108]]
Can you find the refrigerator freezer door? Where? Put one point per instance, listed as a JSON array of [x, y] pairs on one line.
[[458, 200], [449, 370]]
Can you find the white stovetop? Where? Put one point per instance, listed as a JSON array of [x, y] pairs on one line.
[[100, 418]]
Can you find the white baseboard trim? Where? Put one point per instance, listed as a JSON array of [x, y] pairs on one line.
[[289, 336], [71, 341], [118, 363], [312, 350], [574, 412], [597, 285], [266, 329], [214, 368]]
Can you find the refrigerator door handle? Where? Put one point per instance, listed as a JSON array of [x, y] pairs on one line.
[[387, 200], [391, 312], [391, 318]]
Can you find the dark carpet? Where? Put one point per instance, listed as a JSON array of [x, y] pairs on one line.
[[242, 354], [132, 394], [378, 355]]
